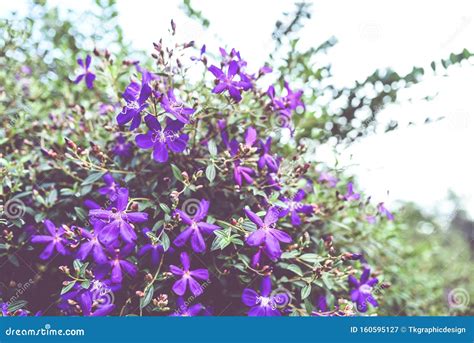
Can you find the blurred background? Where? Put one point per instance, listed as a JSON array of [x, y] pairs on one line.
[[393, 107]]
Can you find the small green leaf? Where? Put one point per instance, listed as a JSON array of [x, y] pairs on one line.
[[77, 265], [85, 284], [211, 172], [305, 291], [165, 241], [295, 269], [92, 178], [311, 258], [211, 145], [165, 207], [68, 287], [176, 172], [146, 299]]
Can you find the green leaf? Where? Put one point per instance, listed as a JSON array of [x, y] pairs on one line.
[[327, 282], [290, 254], [305, 291], [295, 269], [176, 172], [165, 207], [77, 265], [211, 172], [311, 258], [85, 284], [68, 287], [165, 241], [211, 145], [92, 178], [146, 299], [17, 305]]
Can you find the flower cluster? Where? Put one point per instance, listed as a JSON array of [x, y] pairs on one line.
[[221, 202]]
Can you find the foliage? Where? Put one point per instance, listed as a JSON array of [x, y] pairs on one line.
[[115, 214]]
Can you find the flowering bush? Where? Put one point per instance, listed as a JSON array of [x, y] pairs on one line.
[[180, 185]]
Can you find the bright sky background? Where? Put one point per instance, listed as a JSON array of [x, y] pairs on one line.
[[420, 163]]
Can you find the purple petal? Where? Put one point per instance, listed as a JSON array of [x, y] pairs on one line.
[[272, 216], [195, 287], [179, 287], [160, 153], [185, 260], [249, 297], [176, 270], [197, 241], [281, 235], [201, 274], [266, 286], [253, 217], [47, 252], [144, 140], [183, 237], [256, 238]]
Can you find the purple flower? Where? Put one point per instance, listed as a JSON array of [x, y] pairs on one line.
[[350, 194], [87, 74], [188, 277], [294, 207], [118, 220], [241, 172], [362, 292], [92, 244], [91, 306], [384, 212], [328, 179], [201, 54], [266, 159], [122, 148], [55, 240], [171, 105], [162, 140], [370, 219], [185, 311], [264, 304], [111, 188], [266, 233], [196, 227], [227, 83], [156, 250], [119, 265], [136, 98]]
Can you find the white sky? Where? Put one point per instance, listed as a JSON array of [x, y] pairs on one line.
[[419, 163]]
